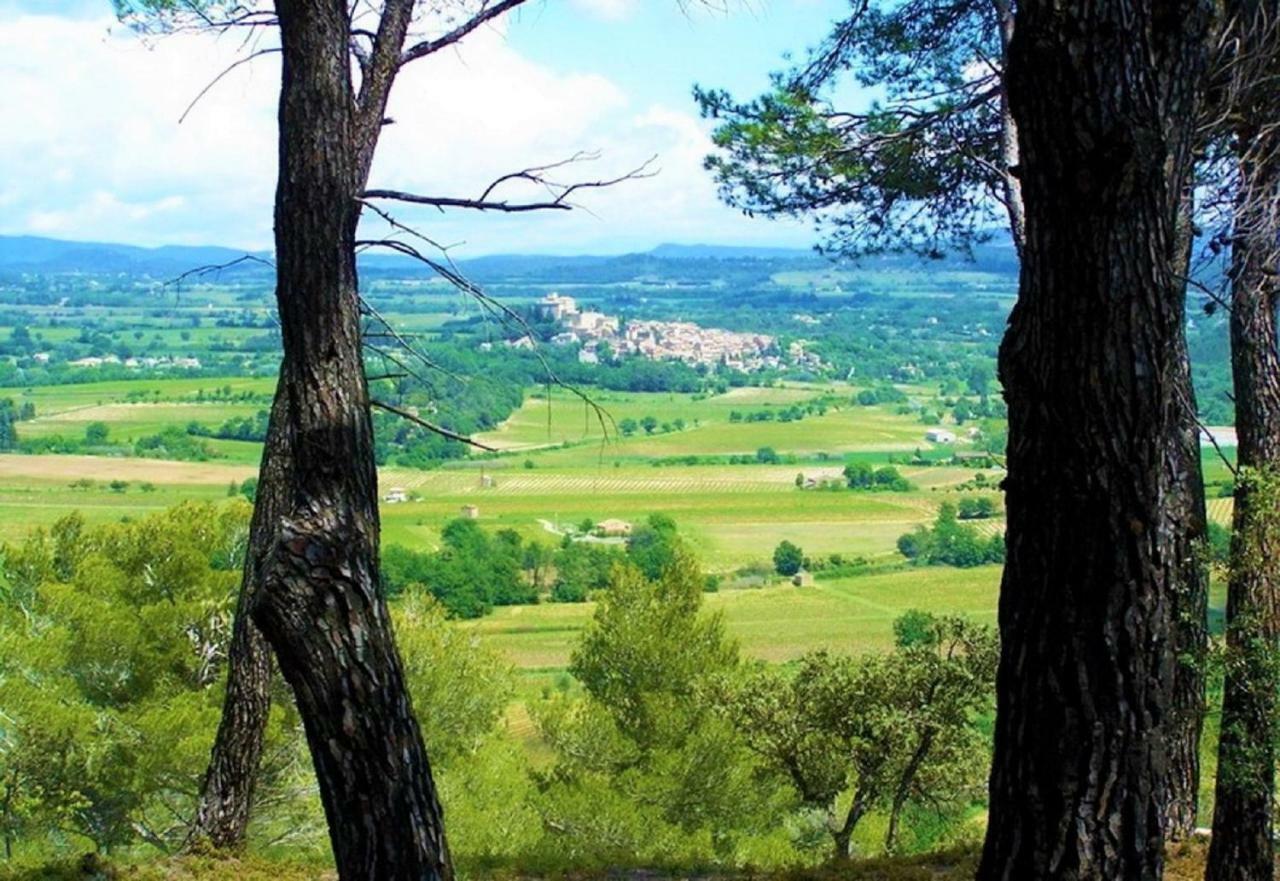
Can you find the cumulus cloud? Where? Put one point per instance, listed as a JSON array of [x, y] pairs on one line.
[[93, 149]]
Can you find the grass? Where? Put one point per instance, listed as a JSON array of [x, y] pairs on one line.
[[776, 624], [54, 399], [37, 490], [732, 514], [1184, 862], [561, 420]]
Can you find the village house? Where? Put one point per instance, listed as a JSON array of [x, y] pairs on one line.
[[940, 436], [395, 495], [613, 528], [471, 512]]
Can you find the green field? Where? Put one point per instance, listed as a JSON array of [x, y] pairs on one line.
[[561, 469], [51, 400], [774, 623], [565, 419]]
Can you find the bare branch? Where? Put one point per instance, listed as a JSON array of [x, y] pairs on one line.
[[226, 70], [218, 267], [454, 276], [486, 14], [559, 193], [435, 429]]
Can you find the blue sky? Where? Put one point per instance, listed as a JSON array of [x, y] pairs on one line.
[[97, 153]]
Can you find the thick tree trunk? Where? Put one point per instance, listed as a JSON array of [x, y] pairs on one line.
[[1242, 847], [1104, 96], [319, 605], [1191, 589], [226, 795]]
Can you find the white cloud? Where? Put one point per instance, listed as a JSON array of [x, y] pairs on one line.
[[92, 148], [610, 10]]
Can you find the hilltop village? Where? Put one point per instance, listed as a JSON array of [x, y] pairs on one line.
[[601, 336]]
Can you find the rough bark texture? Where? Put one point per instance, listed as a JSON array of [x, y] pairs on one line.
[[226, 794], [319, 604], [1104, 95], [1242, 847], [1191, 588]]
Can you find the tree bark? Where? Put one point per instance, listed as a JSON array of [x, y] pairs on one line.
[[903, 789], [319, 604], [1242, 848], [1104, 96], [226, 794], [842, 836], [1191, 588]]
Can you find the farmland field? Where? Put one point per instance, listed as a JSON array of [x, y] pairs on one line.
[[773, 624], [560, 468]]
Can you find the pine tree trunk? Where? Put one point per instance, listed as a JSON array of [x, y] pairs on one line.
[[226, 795], [1242, 847], [320, 606], [1104, 96], [1191, 590]]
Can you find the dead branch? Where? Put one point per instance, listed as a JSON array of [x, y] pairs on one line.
[[218, 267], [486, 14], [226, 70], [454, 276], [558, 193], [432, 427]]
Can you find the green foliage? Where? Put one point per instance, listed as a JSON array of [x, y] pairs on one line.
[[113, 644], [583, 568], [175, 443], [654, 546], [977, 508], [788, 559], [95, 433], [459, 688], [911, 172], [852, 734], [950, 543], [473, 572], [114, 640], [630, 775], [861, 476]]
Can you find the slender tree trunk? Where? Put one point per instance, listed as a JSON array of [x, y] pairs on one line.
[[1191, 588], [843, 836], [319, 604], [1104, 96], [226, 795], [1242, 847], [903, 790]]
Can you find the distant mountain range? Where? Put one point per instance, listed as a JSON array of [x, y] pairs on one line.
[[34, 254]]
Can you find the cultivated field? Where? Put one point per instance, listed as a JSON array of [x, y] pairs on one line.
[[775, 623]]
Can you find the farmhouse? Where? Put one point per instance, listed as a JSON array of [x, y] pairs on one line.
[[613, 528], [395, 495], [940, 436], [803, 578], [471, 512]]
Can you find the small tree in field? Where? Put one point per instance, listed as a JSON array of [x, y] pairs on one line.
[[852, 735], [632, 755], [788, 559]]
